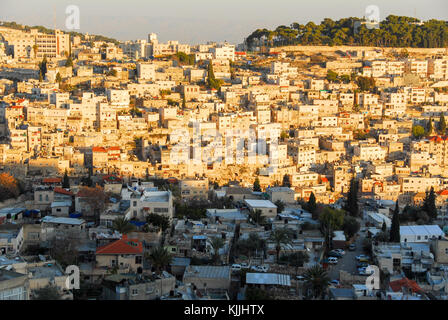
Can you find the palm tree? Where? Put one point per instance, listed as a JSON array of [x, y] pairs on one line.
[[216, 243], [280, 237], [159, 258], [316, 279], [122, 225], [257, 216]]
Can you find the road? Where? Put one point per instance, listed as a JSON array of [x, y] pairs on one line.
[[348, 261]]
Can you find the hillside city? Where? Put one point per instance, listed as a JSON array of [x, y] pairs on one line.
[[268, 170]]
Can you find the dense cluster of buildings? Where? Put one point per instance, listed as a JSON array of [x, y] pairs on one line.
[[124, 116]]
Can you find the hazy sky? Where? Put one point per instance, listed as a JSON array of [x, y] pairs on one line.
[[195, 21]]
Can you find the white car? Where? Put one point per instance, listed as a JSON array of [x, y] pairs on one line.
[[340, 251], [236, 267], [263, 268], [244, 265], [332, 260]]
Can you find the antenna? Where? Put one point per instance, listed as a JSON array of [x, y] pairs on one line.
[[54, 19]]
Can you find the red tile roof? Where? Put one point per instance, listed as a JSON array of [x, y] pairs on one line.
[[438, 138], [397, 285], [122, 246], [52, 180], [443, 193], [63, 191], [98, 149]]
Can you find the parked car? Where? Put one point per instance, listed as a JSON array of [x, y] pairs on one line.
[[334, 254], [300, 278], [340, 251], [334, 282], [362, 264], [362, 256], [332, 260], [264, 268], [363, 271], [236, 267], [245, 265], [352, 247]]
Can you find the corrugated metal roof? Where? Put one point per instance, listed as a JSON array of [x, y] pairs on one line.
[[268, 278]]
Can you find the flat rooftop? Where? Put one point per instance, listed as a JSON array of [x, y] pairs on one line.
[[260, 203]]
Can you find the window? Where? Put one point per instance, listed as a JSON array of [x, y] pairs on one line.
[[134, 292], [138, 260], [418, 237]]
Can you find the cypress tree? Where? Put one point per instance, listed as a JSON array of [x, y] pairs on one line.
[[65, 181], [395, 227], [442, 124], [312, 206], [286, 181], [257, 186], [429, 204], [430, 127], [384, 226], [352, 199]]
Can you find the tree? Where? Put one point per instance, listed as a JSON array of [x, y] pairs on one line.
[[65, 181], [50, 292], [280, 237], [35, 48], [384, 227], [159, 258], [95, 199], [9, 187], [64, 250], [257, 216], [365, 83], [296, 259], [429, 204], [211, 80], [332, 76], [286, 181], [418, 131], [317, 281], [43, 66], [442, 124], [257, 186], [330, 220], [122, 225], [312, 205], [382, 237], [58, 78], [430, 127], [157, 220], [395, 226], [69, 62], [280, 206], [253, 244], [352, 199], [351, 226], [216, 243]]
